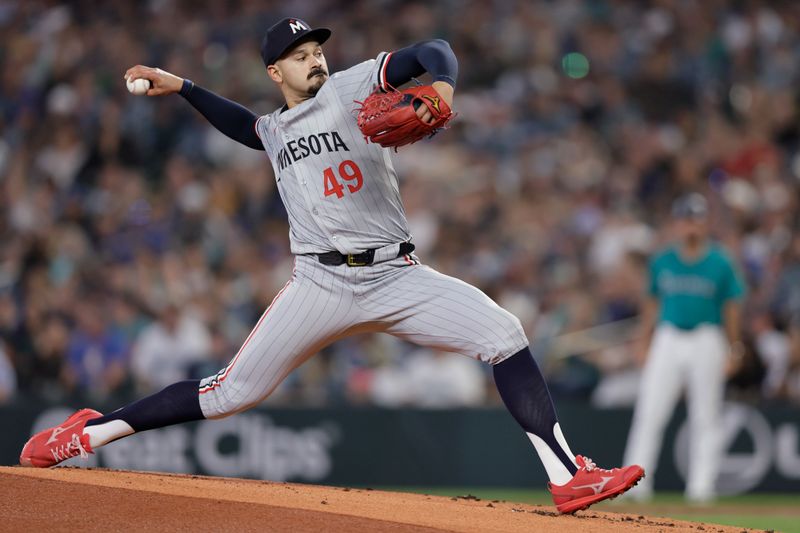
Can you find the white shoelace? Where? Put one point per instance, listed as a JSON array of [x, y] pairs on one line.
[[70, 449], [590, 465]]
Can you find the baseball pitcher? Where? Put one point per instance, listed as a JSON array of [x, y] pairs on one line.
[[355, 268]]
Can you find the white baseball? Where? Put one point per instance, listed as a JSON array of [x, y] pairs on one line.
[[139, 86]]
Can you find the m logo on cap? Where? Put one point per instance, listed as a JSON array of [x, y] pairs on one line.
[[279, 39], [296, 26]]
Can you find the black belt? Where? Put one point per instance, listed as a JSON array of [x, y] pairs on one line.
[[356, 260]]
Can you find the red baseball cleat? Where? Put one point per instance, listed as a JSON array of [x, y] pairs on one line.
[[54, 445], [591, 484]]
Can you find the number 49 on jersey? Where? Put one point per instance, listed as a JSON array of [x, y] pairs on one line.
[[349, 172]]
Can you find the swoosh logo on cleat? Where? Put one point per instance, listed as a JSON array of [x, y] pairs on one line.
[[596, 487], [58, 431]]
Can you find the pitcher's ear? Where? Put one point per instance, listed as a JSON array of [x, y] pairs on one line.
[[274, 72]]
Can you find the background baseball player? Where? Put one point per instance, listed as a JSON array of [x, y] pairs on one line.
[[695, 294], [354, 265]]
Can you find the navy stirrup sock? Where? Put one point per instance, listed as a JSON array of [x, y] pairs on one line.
[[524, 391], [179, 402]]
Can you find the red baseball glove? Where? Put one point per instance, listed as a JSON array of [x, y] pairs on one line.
[[390, 118]]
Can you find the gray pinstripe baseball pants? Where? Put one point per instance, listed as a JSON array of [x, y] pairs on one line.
[[321, 304]]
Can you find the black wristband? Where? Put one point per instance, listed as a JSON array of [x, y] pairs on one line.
[[186, 88]]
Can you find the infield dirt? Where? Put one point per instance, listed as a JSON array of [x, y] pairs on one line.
[[87, 500]]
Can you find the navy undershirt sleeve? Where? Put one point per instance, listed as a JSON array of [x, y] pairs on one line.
[[232, 119], [434, 57]]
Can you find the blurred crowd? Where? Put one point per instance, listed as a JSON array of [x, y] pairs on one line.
[[138, 246]]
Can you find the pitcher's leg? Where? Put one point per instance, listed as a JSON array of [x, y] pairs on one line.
[[307, 316], [175, 404], [432, 309], [311, 311], [526, 396]]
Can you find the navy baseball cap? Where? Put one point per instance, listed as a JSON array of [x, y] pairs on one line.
[[283, 35], [692, 205]]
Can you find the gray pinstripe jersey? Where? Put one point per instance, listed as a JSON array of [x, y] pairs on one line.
[[317, 151]]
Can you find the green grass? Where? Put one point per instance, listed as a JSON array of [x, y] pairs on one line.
[[783, 523], [778, 512]]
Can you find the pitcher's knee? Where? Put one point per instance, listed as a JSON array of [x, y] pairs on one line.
[[227, 399], [512, 339]]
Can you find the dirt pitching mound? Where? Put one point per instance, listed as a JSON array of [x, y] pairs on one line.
[[87, 500]]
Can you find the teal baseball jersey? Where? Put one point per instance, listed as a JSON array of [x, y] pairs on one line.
[[691, 293]]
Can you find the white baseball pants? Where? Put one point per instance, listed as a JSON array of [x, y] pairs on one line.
[[677, 358]]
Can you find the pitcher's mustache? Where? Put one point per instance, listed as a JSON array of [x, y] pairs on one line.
[[317, 71]]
